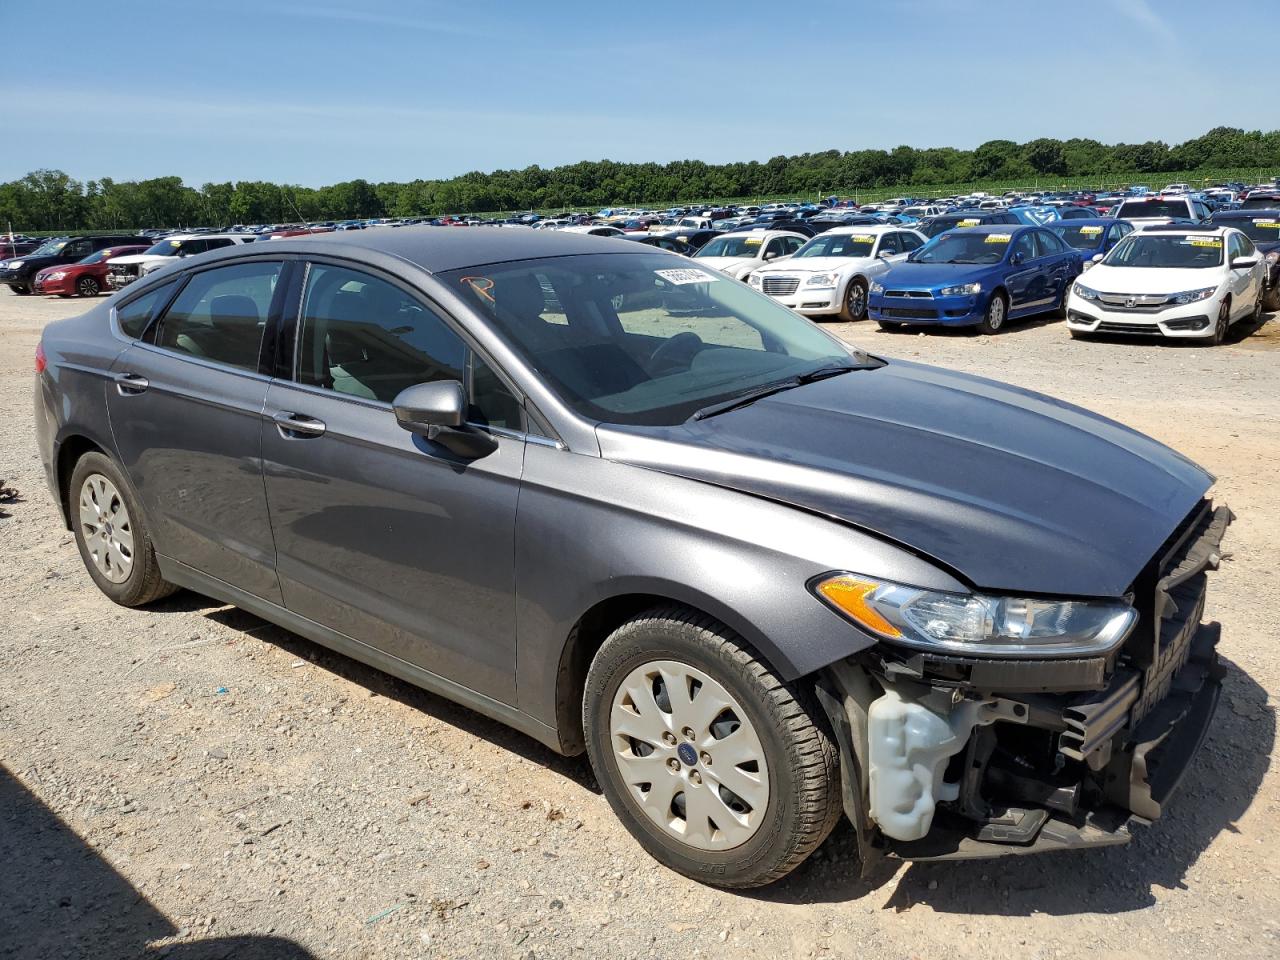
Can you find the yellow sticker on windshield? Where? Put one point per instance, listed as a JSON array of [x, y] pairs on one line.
[[968, 223], [999, 237], [1269, 224], [862, 238], [753, 241], [1204, 242], [1090, 231]]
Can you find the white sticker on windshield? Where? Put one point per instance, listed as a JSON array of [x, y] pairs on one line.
[[686, 276]]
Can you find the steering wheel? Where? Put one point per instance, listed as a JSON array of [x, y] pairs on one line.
[[675, 353]]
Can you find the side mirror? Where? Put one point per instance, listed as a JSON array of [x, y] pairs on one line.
[[1015, 258], [1244, 263], [769, 256], [438, 411], [1096, 258]]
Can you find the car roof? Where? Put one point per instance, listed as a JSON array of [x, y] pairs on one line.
[[873, 228], [1210, 228], [1001, 228], [1250, 214], [1084, 222], [766, 234]]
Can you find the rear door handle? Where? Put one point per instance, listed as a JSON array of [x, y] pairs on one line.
[[297, 426], [131, 384]]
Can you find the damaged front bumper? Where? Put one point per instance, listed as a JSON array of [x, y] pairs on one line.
[[955, 758]]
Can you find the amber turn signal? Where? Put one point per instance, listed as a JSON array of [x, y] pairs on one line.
[[849, 595]]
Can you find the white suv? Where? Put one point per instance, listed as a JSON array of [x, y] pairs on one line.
[[124, 270], [1172, 281], [830, 274]]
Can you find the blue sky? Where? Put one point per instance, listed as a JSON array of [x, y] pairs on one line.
[[317, 91]]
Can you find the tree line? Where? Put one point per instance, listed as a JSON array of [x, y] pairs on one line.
[[47, 200]]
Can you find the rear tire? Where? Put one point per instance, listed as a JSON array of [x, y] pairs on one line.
[[766, 739], [1271, 302], [994, 319], [112, 535]]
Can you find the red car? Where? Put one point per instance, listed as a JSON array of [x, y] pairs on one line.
[[85, 278]]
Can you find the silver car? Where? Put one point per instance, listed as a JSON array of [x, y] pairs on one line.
[[629, 506]]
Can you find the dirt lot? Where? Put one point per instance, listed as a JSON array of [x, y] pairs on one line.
[[192, 782]]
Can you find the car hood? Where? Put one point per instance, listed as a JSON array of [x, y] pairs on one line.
[[1149, 279], [28, 261], [1014, 491], [135, 258], [814, 265], [909, 274]]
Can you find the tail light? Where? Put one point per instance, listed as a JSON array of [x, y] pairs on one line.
[[41, 362]]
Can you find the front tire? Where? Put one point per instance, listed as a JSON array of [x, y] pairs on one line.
[[997, 312], [111, 534], [1222, 324], [855, 301], [21, 290], [720, 770], [87, 287]]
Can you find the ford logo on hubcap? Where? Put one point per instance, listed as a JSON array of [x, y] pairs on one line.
[[686, 753]]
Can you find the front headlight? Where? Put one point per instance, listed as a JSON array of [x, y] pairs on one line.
[[964, 290], [821, 280], [876, 286], [1192, 296], [753, 280], [977, 624], [56, 275], [1083, 292]]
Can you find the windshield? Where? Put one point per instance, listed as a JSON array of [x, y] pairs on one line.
[[52, 248], [939, 224], [1086, 236], [1146, 209], [961, 247], [1259, 203], [732, 247], [1258, 229], [165, 248], [839, 245], [96, 257], [644, 338], [1180, 251]]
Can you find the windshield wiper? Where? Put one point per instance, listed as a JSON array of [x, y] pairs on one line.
[[777, 386]]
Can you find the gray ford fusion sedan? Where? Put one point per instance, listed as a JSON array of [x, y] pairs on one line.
[[630, 506]]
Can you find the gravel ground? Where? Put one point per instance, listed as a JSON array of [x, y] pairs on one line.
[[190, 781]]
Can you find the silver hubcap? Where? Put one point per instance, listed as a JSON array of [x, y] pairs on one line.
[[996, 317], [88, 287], [105, 526], [689, 756], [855, 300]]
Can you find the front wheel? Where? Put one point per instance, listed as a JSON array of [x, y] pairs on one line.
[[855, 301], [997, 310], [88, 287], [1222, 324], [20, 289], [720, 770], [1271, 301], [111, 534]]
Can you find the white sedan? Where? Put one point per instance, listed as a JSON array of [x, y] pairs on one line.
[[1172, 281], [738, 254], [830, 274]]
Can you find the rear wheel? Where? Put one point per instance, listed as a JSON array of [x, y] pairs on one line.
[[997, 311], [855, 301], [88, 287], [720, 770], [111, 534]]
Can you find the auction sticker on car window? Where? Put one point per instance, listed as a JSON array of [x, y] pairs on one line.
[[999, 237], [967, 223], [1269, 224], [686, 276], [1090, 231], [1203, 242], [863, 237], [753, 241]]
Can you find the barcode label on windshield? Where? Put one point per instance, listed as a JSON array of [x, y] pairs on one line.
[[686, 276]]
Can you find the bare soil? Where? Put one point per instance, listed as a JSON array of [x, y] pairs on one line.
[[192, 782]]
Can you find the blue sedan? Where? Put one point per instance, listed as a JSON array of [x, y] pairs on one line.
[[977, 277], [1092, 237]]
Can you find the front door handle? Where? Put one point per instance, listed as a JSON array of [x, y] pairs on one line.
[[297, 426], [131, 384]]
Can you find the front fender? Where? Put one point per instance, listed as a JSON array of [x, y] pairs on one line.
[[588, 530]]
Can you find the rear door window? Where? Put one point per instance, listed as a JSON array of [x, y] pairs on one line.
[[134, 315], [221, 313]]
